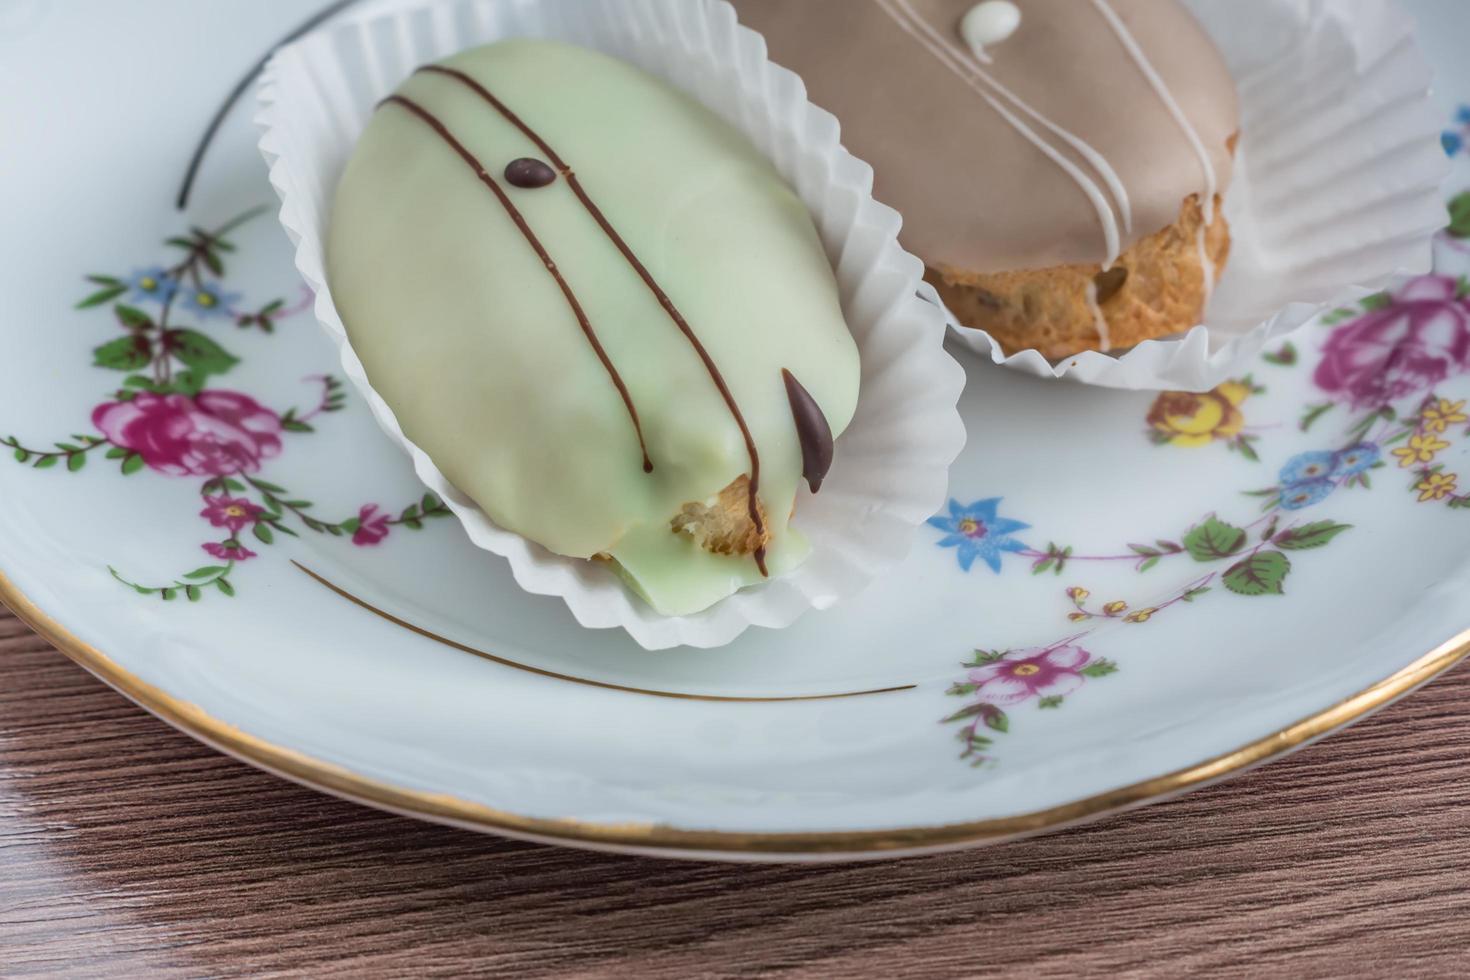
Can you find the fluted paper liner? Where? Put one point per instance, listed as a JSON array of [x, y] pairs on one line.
[[1336, 190], [892, 462]]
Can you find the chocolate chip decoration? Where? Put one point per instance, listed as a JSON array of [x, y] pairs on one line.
[[813, 433], [528, 172]]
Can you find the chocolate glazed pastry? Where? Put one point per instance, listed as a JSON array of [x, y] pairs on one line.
[[1034, 149]]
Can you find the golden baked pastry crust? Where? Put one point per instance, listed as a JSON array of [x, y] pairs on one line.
[[1163, 292], [725, 527]]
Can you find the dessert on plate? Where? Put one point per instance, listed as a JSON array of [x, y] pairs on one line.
[[599, 310], [1059, 164]]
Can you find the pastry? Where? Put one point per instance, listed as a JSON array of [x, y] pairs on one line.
[[599, 310], [1059, 164]]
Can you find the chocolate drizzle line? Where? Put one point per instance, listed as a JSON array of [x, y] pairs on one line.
[[648, 280], [813, 431], [473, 162]]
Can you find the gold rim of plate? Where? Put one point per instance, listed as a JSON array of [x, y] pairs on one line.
[[443, 808]]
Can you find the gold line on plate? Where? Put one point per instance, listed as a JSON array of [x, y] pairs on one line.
[[649, 837], [483, 654]]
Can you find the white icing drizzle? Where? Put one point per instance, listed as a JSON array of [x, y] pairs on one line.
[[987, 24], [1104, 336], [1206, 266], [1146, 68], [968, 71]]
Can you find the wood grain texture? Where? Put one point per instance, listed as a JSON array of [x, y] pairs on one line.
[[128, 849]]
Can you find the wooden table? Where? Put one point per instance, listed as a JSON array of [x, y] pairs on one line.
[[128, 849]]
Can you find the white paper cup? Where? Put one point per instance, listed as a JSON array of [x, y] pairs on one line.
[[1336, 189], [891, 464]]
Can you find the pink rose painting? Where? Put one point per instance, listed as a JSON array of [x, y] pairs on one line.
[[1414, 342], [214, 433]]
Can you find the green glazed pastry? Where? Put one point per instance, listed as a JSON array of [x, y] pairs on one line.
[[599, 310]]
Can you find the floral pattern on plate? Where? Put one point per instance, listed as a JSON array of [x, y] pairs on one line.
[[1382, 364], [1186, 419], [1385, 363], [170, 416]]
